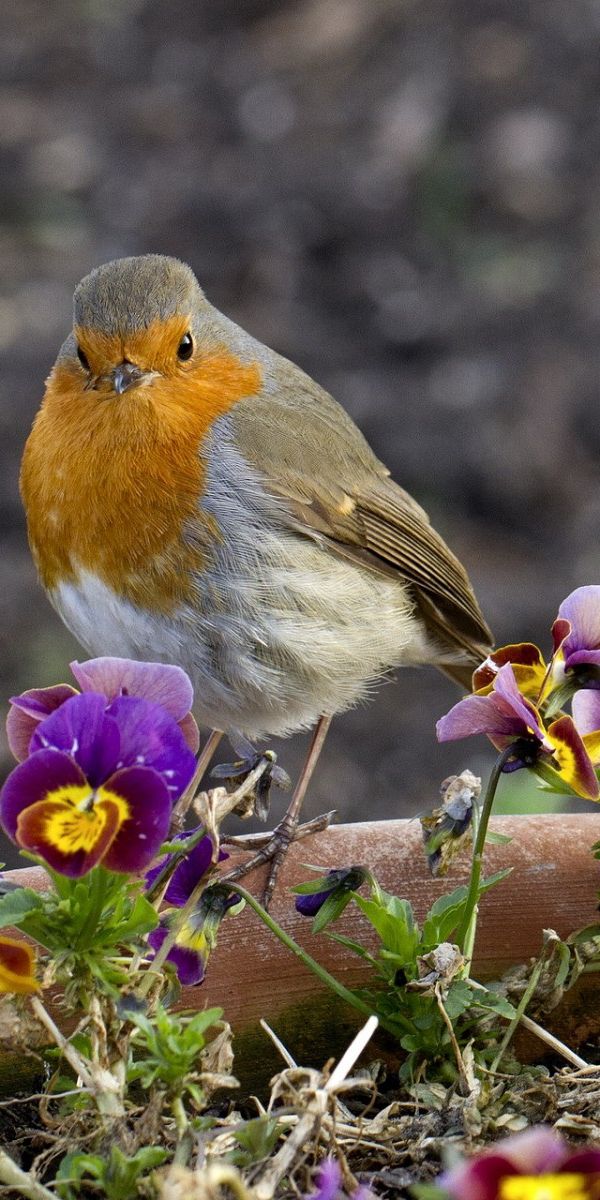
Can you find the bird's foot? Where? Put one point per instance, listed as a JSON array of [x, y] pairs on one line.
[[272, 848]]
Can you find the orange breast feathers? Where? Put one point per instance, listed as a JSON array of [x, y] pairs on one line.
[[112, 484]]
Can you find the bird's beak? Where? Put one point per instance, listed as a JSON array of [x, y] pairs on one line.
[[124, 376]]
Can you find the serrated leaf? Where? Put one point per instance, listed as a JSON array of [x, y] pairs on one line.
[[495, 1003], [16, 906], [458, 999]]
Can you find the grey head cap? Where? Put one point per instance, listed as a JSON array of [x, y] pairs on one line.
[[131, 293]]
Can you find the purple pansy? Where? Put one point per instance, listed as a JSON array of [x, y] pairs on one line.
[[576, 636], [337, 885], [188, 872], [197, 935], [167, 686], [536, 1152], [509, 719], [189, 953], [99, 784]]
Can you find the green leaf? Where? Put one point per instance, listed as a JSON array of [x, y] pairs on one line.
[[394, 921], [495, 1003], [141, 920], [428, 1191], [351, 945], [444, 917], [16, 906], [330, 910], [458, 999], [497, 839]]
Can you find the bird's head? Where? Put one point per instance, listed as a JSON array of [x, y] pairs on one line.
[[135, 320]]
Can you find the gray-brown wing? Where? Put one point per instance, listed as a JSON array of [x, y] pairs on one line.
[[312, 455]]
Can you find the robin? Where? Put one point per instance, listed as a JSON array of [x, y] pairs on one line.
[[195, 498]]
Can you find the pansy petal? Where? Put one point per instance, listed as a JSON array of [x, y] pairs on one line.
[[582, 610], [478, 1178], [536, 1150], [26, 712], [576, 657], [527, 663], [477, 714], [141, 834], [574, 764], [512, 703], [190, 731], [41, 774], [309, 904], [189, 964], [329, 1180], [585, 707], [150, 737], [189, 872], [70, 840], [81, 728], [560, 632], [583, 1162], [17, 965], [165, 685]]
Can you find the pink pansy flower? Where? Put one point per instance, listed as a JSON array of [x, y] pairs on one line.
[[545, 1165], [509, 719]]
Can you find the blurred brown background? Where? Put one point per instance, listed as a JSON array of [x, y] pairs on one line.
[[402, 196]]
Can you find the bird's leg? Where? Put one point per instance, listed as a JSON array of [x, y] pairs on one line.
[[278, 845], [181, 808]]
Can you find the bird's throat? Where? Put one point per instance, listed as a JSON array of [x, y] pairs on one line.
[[114, 486]]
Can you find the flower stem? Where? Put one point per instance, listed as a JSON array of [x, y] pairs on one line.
[[343, 992], [465, 936]]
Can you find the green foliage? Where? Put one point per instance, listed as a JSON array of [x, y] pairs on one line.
[[421, 982], [255, 1141], [167, 1049], [84, 923], [116, 1176]]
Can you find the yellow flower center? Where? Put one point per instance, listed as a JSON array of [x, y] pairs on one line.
[[77, 815], [549, 1187]]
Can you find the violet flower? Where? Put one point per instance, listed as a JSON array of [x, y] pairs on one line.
[[536, 1154], [326, 898], [197, 935], [165, 685], [188, 872], [99, 784], [509, 719], [576, 636]]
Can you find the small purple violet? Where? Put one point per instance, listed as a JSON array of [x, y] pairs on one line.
[[326, 897], [197, 936], [329, 1184]]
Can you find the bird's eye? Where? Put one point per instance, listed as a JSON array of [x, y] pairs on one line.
[[83, 359], [185, 348]]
